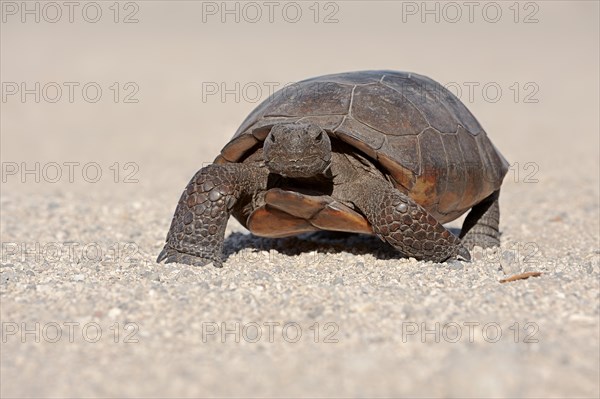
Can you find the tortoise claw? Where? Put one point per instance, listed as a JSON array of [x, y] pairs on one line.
[[464, 253], [170, 255], [162, 256]]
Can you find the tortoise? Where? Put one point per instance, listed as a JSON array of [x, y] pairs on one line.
[[389, 153]]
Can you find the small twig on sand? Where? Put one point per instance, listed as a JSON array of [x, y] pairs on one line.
[[521, 276]]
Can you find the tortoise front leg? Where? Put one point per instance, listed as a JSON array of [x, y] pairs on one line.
[[481, 224], [404, 224], [198, 227]]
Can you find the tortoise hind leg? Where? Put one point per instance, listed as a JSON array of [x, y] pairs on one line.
[[198, 227], [480, 227]]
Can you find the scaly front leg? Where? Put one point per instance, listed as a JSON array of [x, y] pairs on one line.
[[404, 224], [198, 228]]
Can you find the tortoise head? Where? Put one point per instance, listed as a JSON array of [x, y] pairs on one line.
[[297, 150]]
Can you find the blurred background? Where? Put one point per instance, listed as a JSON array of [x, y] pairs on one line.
[[177, 78]]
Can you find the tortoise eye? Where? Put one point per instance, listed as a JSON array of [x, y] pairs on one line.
[[272, 138], [319, 137]]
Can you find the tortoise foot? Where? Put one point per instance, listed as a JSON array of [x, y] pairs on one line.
[[464, 253], [480, 240], [481, 225], [170, 255]]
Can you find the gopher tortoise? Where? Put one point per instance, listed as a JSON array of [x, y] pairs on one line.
[[389, 153]]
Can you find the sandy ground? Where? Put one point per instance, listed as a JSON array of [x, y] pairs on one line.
[[86, 311]]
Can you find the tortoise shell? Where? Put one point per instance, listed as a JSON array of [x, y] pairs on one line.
[[419, 134]]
